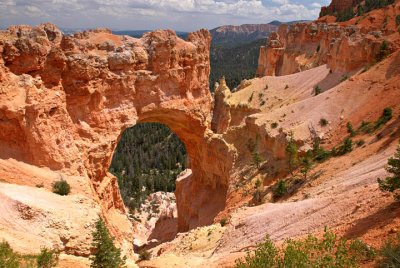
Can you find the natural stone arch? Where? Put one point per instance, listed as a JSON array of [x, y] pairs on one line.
[[67, 99]]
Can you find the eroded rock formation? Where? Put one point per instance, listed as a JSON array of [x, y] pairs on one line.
[[344, 47], [66, 99], [338, 6]]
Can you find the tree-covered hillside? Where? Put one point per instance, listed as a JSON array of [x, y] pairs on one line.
[[148, 159], [235, 63]]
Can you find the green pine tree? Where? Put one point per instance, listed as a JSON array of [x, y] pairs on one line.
[[292, 154], [392, 183], [106, 255], [306, 164]]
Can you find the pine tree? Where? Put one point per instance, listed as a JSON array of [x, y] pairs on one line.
[[106, 255], [392, 183], [292, 153], [306, 165]]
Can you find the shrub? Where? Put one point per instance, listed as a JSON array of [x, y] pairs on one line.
[[280, 189], [390, 253], [317, 90], [144, 255], [47, 258], [384, 51], [223, 222], [61, 187], [398, 20], [385, 117], [329, 251], [392, 183], [346, 147], [360, 143], [323, 122], [106, 255], [366, 127], [274, 125], [8, 259], [287, 86], [318, 47], [350, 129], [262, 103], [344, 78]]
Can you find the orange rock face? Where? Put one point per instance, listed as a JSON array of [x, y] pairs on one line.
[[345, 47], [65, 101], [338, 6]]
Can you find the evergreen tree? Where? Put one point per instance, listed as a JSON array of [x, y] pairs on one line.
[[392, 183], [106, 255], [292, 154], [306, 164]]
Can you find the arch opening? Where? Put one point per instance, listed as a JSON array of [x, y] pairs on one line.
[[147, 161]]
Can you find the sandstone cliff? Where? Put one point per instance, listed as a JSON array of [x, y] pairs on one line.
[[66, 99], [344, 47]]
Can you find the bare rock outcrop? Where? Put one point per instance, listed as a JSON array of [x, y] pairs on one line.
[[66, 99]]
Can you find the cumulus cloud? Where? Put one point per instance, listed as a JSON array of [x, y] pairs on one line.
[[149, 14]]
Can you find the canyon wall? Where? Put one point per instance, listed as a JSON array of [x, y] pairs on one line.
[[344, 47], [338, 6], [66, 99]]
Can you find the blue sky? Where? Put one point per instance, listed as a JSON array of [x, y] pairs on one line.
[[180, 15]]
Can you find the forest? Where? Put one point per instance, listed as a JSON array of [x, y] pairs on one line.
[[148, 159]]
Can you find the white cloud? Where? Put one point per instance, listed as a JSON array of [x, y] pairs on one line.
[[148, 14]]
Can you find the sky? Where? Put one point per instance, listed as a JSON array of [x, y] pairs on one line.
[[179, 15]]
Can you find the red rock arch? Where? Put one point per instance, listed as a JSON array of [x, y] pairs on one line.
[[65, 101]]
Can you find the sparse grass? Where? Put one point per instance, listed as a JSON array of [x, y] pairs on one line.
[[390, 253], [10, 259], [328, 251]]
